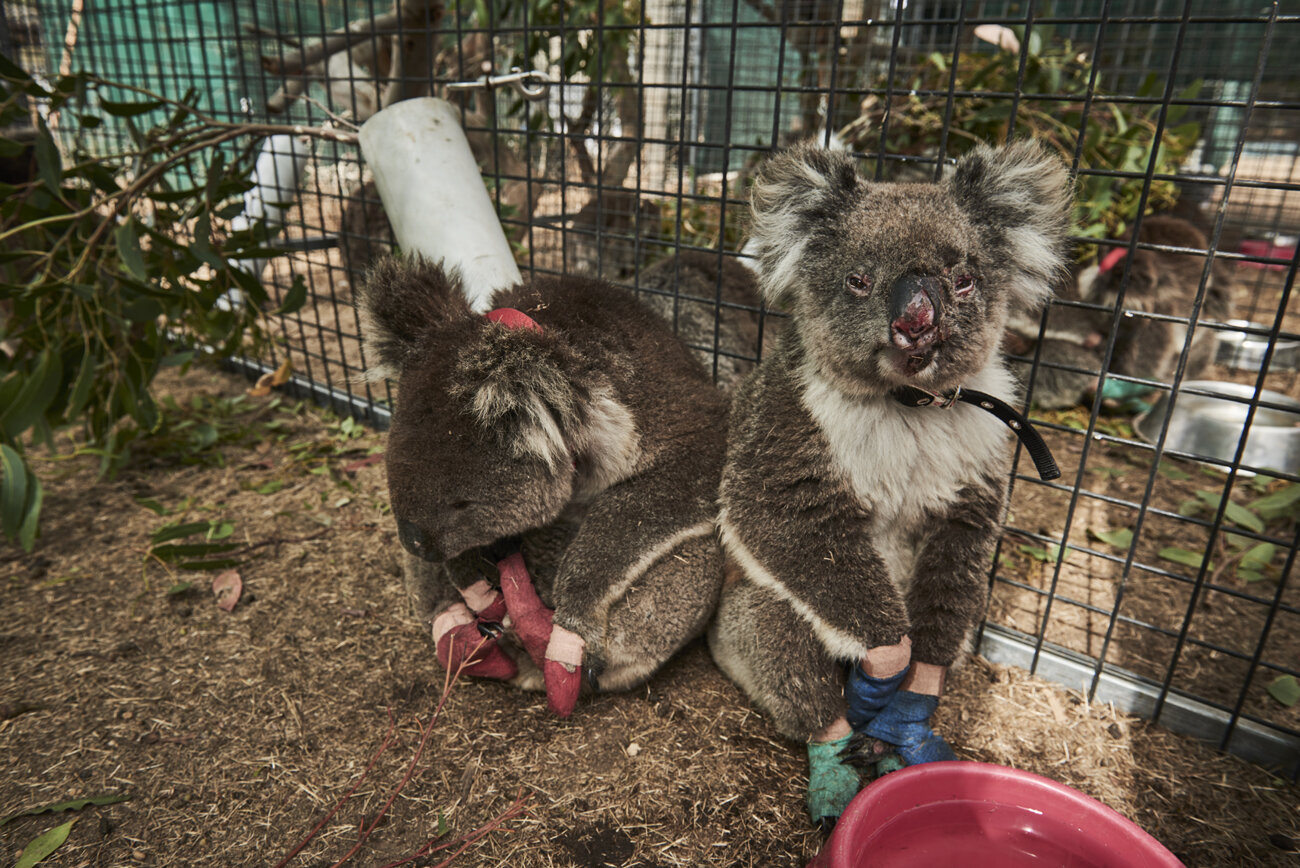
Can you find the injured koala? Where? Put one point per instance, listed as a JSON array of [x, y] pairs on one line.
[[868, 455], [566, 434]]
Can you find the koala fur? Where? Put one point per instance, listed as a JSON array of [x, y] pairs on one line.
[[686, 289], [597, 439], [848, 519], [1158, 282]]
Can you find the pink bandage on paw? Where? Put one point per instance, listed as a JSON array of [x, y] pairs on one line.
[[565, 647], [562, 671], [461, 647], [485, 601]]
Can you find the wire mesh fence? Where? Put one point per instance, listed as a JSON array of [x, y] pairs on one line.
[[1156, 572]]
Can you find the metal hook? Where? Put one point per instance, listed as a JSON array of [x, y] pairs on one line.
[[532, 84]]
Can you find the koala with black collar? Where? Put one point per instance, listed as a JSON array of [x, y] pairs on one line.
[[858, 528], [568, 438]]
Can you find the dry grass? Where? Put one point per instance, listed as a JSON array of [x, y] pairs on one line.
[[234, 733]]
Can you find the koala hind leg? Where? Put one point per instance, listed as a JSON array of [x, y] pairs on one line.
[[763, 645], [666, 607]]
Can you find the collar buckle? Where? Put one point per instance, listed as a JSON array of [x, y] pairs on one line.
[[940, 400]]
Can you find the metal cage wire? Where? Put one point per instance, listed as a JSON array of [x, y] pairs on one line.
[[644, 148]]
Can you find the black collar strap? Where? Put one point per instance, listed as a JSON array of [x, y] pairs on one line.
[[910, 396]]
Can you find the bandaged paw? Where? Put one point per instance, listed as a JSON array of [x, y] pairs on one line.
[[905, 723], [866, 696], [461, 647], [832, 783], [562, 670]]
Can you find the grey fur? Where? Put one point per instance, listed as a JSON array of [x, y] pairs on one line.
[[598, 440], [849, 520]]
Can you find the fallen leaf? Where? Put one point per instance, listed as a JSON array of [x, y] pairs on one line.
[[44, 844], [1285, 689], [227, 586], [1120, 538], [70, 805], [271, 379]]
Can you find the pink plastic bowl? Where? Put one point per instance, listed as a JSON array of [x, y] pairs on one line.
[[976, 815]]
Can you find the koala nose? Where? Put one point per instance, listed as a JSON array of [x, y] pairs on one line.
[[417, 542], [914, 311]]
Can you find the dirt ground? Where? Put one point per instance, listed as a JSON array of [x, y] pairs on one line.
[[233, 733]]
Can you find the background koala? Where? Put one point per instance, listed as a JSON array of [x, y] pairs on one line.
[[1158, 282], [684, 290], [592, 434], [860, 529]]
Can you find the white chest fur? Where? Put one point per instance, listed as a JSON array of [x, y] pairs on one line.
[[903, 462]]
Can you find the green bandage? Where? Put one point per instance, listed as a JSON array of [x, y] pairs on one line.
[[832, 783]]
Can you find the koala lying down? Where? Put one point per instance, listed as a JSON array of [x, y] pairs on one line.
[[566, 438], [859, 523]]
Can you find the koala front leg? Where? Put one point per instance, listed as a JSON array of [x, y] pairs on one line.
[[945, 601], [629, 529]]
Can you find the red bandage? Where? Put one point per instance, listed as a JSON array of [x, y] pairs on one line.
[[533, 624], [459, 644]]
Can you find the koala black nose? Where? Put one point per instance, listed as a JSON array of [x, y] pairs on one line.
[[417, 542], [914, 311]]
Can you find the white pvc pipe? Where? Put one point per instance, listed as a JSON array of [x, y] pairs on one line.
[[275, 186], [434, 195]]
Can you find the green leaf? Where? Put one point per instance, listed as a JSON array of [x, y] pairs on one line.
[[128, 247], [176, 531], [270, 487], [1169, 471], [173, 552], [152, 505], [1285, 690], [294, 298], [13, 491], [70, 805], [1183, 556], [32, 516], [44, 844], [218, 564], [179, 588], [129, 109], [1278, 504], [1258, 557], [1234, 512], [49, 163], [35, 396], [1120, 538]]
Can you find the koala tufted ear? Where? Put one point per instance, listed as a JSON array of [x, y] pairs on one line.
[[400, 301], [522, 386], [796, 193], [1022, 194]]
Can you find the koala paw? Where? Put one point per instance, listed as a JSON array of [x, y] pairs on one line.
[[463, 647]]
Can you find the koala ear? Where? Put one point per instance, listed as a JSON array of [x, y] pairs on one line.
[[521, 387], [796, 193], [400, 301], [1021, 194]]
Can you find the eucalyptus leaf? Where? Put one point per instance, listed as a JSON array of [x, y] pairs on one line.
[[1285, 689], [1183, 556], [44, 845], [1120, 538]]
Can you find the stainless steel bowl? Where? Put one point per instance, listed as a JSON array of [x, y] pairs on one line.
[[1245, 352], [1207, 426]]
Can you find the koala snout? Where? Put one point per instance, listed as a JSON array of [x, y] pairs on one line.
[[914, 311], [417, 542]]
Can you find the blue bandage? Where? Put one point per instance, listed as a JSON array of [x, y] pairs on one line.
[[866, 695], [832, 784], [905, 723]]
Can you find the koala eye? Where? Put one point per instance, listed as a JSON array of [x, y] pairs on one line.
[[858, 284], [964, 284]]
